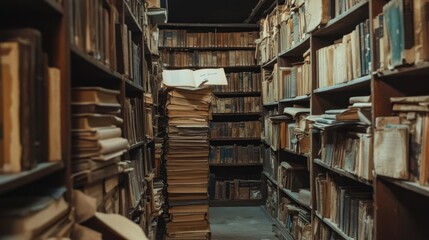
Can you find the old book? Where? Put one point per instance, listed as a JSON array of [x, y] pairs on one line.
[[54, 96], [95, 95], [90, 121], [391, 151], [97, 133], [10, 128], [194, 79], [25, 217]]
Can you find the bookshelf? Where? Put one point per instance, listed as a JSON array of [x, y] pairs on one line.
[[236, 106], [100, 63], [382, 193]]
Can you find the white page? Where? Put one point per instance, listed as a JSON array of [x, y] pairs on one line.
[[178, 78], [210, 76]]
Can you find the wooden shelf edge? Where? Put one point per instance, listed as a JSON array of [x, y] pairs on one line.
[[417, 69], [83, 56], [298, 49], [294, 197], [352, 84], [133, 86], [282, 228], [412, 186], [293, 152], [343, 172], [270, 63], [270, 178], [136, 145], [13, 181], [339, 19], [333, 226], [270, 104], [132, 21], [296, 99]]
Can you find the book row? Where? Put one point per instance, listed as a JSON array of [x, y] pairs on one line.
[[295, 81], [208, 58], [293, 176], [184, 38], [237, 105], [96, 29], [348, 58], [237, 189], [268, 42], [133, 126], [297, 221], [293, 28], [234, 154], [347, 206], [30, 103], [240, 82], [249, 129]]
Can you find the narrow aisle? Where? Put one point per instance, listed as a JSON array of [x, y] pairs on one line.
[[240, 223]]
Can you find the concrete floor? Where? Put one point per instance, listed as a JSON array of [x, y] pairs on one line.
[[240, 223]]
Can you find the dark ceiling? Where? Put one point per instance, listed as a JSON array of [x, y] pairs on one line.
[[213, 11]]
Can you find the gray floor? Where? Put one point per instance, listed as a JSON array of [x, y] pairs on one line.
[[240, 223]]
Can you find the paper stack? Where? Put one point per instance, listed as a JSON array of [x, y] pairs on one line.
[[96, 137], [187, 163]]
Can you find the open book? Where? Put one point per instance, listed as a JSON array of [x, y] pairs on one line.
[[194, 79]]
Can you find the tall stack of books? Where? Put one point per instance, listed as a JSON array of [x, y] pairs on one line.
[[187, 163]]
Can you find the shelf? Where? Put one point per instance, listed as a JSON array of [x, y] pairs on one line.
[[231, 68], [130, 20], [270, 178], [40, 8], [137, 145], [421, 69], [412, 186], [282, 228], [133, 87], [345, 22], [343, 172], [355, 84], [270, 63], [236, 94], [294, 197], [304, 98], [236, 114], [293, 152], [13, 181], [299, 49], [235, 165], [236, 202], [235, 139], [207, 25], [271, 104], [334, 227], [89, 67], [186, 49]]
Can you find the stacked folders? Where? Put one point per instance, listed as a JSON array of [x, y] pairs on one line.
[[187, 163], [97, 141]]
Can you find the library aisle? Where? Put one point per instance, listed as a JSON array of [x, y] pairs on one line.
[[240, 223]]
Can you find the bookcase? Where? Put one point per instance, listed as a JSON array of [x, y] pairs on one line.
[[96, 50], [355, 66], [234, 161]]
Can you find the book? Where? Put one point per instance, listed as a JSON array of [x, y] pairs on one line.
[[54, 96], [194, 79]]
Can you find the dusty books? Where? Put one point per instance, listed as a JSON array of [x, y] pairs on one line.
[[26, 87], [240, 82], [295, 219], [237, 105], [96, 136], [188, 151], [33, 215]]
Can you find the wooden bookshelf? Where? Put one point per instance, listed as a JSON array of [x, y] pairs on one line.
[[334, 227], [132, 22], [352, 85], [226, 68], [186, 49], [236, 114], [298, 49], [270, 63], [13, 181], [234, 139], [270, 178], [294, 197], [343, 172], [235, 164], [297, 99], [132, 87]]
